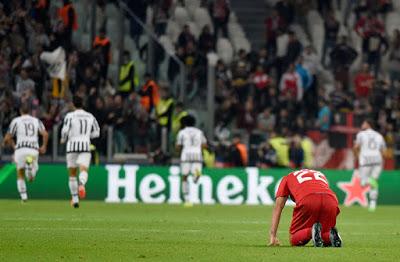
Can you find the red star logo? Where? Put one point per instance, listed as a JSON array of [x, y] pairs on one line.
[[355, 193]]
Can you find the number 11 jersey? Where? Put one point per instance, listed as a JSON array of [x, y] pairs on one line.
[[78, 128]]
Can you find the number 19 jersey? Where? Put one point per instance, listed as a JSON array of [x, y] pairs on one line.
[[26, 129], [191, 139], [78, 128], [302, 183], [371, 143]]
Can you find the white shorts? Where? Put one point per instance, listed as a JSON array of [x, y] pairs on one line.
[[188, 168], [78, 159], [367, 172], [21, 154]]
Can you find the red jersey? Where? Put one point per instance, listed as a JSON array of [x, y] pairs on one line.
[[363, 83], [302, 183]]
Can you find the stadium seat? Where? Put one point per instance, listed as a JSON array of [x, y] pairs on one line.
[[194, 29], [225, 50], [191, 6], [167, 44], [202, 18], [392, 22], [316, 27], [112, 10], [181, 16], [241, 43], [173, 30], [235, 30], [112, 30]]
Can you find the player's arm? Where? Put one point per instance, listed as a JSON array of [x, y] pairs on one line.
[[356, 147], [9, 141], [45, 139], [65, 129], [179, 142], [9, 137], [276, 217], [95, 129]]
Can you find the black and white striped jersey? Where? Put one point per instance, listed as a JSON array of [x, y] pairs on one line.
[[26, 131], [191, 139], [78, 128]]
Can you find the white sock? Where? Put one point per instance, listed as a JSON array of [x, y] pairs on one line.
[[185, 190], [21, 185], [73, 188], [83, 177], [373, 196]]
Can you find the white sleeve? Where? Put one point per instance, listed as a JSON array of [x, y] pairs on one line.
[[179, 140], [358, 139], [95, 129], [66, 127], [41, 126], [13, 127], [203, 139]]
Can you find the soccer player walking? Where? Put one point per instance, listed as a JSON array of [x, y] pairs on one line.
[[26, 129], [190, 142], [78, 128], [369, 147], [314, 216]]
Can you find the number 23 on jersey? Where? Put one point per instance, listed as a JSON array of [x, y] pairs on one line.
[[308, 175]]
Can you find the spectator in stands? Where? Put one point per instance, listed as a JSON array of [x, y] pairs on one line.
[[149, 93], [220, 12], [294, 48], [291, 85], [186, 37], [281, 146], [128, 76], [331, 25], [240, 81], [263, 59], [324, 6], [324, 116], [261, 82], [285, 10], [239, 155], [342, 56], [206, 40], [132, 111], [24, 84], [247, 117], [69, 20], [312, 64], [368, 25], [103, 44], [377, 46], [177, 116], [394, 56], [296, 153], [282, 42], [161, 15], [273, 24], [174, 67], [164, 112], [363, 82], [139, 8], [340, 99], [266, 156], [118, 120], [266, 120]]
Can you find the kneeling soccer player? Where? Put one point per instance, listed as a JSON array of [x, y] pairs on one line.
[[314, 216]]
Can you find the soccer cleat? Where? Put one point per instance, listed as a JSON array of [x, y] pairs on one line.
[[316, 235], [188, 204], [74, 205], [336, 240], [82, 191], [197, 176]]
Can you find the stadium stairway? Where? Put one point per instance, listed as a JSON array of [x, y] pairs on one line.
[[251, 16]]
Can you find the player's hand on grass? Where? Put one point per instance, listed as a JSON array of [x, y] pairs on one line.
[[274, 241]]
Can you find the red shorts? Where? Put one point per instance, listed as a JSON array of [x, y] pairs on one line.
[[314, 208]]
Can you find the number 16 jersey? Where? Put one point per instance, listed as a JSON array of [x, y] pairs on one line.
[[78, 128], [191, 139]]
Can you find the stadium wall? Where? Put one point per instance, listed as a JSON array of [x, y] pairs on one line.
[[229, 186]]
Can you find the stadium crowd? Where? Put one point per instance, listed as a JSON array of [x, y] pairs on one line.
[[277, 91]]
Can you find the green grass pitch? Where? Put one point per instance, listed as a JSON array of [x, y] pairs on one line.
[[53, 231]]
